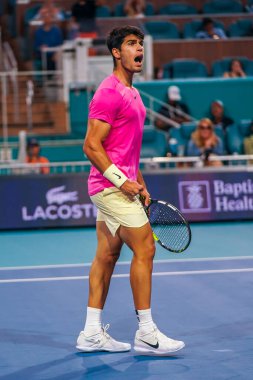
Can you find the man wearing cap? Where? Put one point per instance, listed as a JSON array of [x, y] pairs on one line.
[[218, 117], [33, 156], [175, 110]]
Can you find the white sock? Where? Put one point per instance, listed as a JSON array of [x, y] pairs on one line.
[[145, 321], [93, 322]]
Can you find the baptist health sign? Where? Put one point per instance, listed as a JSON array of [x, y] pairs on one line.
[[216, 196]]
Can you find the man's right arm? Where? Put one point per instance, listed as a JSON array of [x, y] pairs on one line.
[[93, 148]]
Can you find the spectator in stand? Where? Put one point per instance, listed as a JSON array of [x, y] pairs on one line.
[[235, 70], [209, 31], [205, 143], [34, 157], [50, 7], [248, 142], [83, 18], [176, 110], [135, 8], [218, 117], [47, 36]]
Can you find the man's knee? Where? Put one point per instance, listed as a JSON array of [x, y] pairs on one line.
[[108, 258]]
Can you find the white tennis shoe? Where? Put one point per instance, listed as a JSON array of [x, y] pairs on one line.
[[156, 343], [100, 342]]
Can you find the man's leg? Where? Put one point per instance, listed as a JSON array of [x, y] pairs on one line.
[[148, 338], [95, 338], [141, 242], [108, 251]]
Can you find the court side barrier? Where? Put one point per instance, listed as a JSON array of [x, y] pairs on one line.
[[60, 199]]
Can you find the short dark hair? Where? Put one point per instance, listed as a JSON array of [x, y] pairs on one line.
[[117, 36], [206, 21]]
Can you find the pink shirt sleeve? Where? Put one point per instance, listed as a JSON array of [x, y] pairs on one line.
[[105, 105]]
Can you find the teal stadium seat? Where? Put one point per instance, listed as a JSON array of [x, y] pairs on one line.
[[154, 143], [244, 127], [103, 11], [179, 138], [241, 28], [161, 30], [188, 68], [178, 9], [234, 140], [221, 66], [223, 6], [192, 27], [119, 10]]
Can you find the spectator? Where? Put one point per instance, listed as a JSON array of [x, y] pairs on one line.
[[218, 118], [84, 16], [135, 8], [248, 142], [50, 7], [47, 36], [235, 70], [34, 157], [209, 31], [205, 143], [176, 110]]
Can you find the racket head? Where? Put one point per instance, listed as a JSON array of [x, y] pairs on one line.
[[170, 228]]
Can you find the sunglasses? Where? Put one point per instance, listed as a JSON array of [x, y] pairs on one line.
[[203, 127]]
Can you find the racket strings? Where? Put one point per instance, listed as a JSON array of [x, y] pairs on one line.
[[169, 227]]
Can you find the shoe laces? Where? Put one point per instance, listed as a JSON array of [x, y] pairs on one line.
[[104, 329]]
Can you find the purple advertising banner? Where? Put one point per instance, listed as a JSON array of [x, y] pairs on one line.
[[62, 200]]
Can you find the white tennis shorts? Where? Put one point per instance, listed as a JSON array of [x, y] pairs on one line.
[[116, 209]]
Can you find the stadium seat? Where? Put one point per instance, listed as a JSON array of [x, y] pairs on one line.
[[177, 142], [167, 71], [221, 66], [223, 6], [178, 9], [234, 140], [188, 68], [192, 27], [160, 30], [103, 11], [187, 129], [154, 143], [244, 127], [241, 28]]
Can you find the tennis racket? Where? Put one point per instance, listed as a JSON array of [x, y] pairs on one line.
[[170, 229]]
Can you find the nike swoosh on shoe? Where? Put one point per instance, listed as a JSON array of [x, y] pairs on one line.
[[151, 345]]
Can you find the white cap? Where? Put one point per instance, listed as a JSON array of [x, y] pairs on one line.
[[174, 93]]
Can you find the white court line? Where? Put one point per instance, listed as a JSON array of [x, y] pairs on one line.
[[80, 265], [125, 275]]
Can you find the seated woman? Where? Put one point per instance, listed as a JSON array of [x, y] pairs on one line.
[[235, 70], [205, 143], [135, 8]]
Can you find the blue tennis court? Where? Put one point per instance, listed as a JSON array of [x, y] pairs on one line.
[[203, 297]]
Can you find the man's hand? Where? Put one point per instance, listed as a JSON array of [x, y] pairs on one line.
[[131, 188], [145, 197]]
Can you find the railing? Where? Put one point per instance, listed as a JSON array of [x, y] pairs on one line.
[[238, 162], [152, 114]]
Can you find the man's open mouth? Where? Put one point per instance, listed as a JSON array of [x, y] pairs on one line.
[[138, 58]]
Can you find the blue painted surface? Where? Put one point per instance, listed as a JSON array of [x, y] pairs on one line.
[[212, 313]]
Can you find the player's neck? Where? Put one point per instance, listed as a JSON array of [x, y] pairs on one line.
[[124, 76]]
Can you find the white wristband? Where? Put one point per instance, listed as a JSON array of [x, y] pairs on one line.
[[115, 176]]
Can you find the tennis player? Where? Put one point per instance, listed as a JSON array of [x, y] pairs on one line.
[[113, 145]]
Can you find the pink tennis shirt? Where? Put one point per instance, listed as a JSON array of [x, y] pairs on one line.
[[123, 109]]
